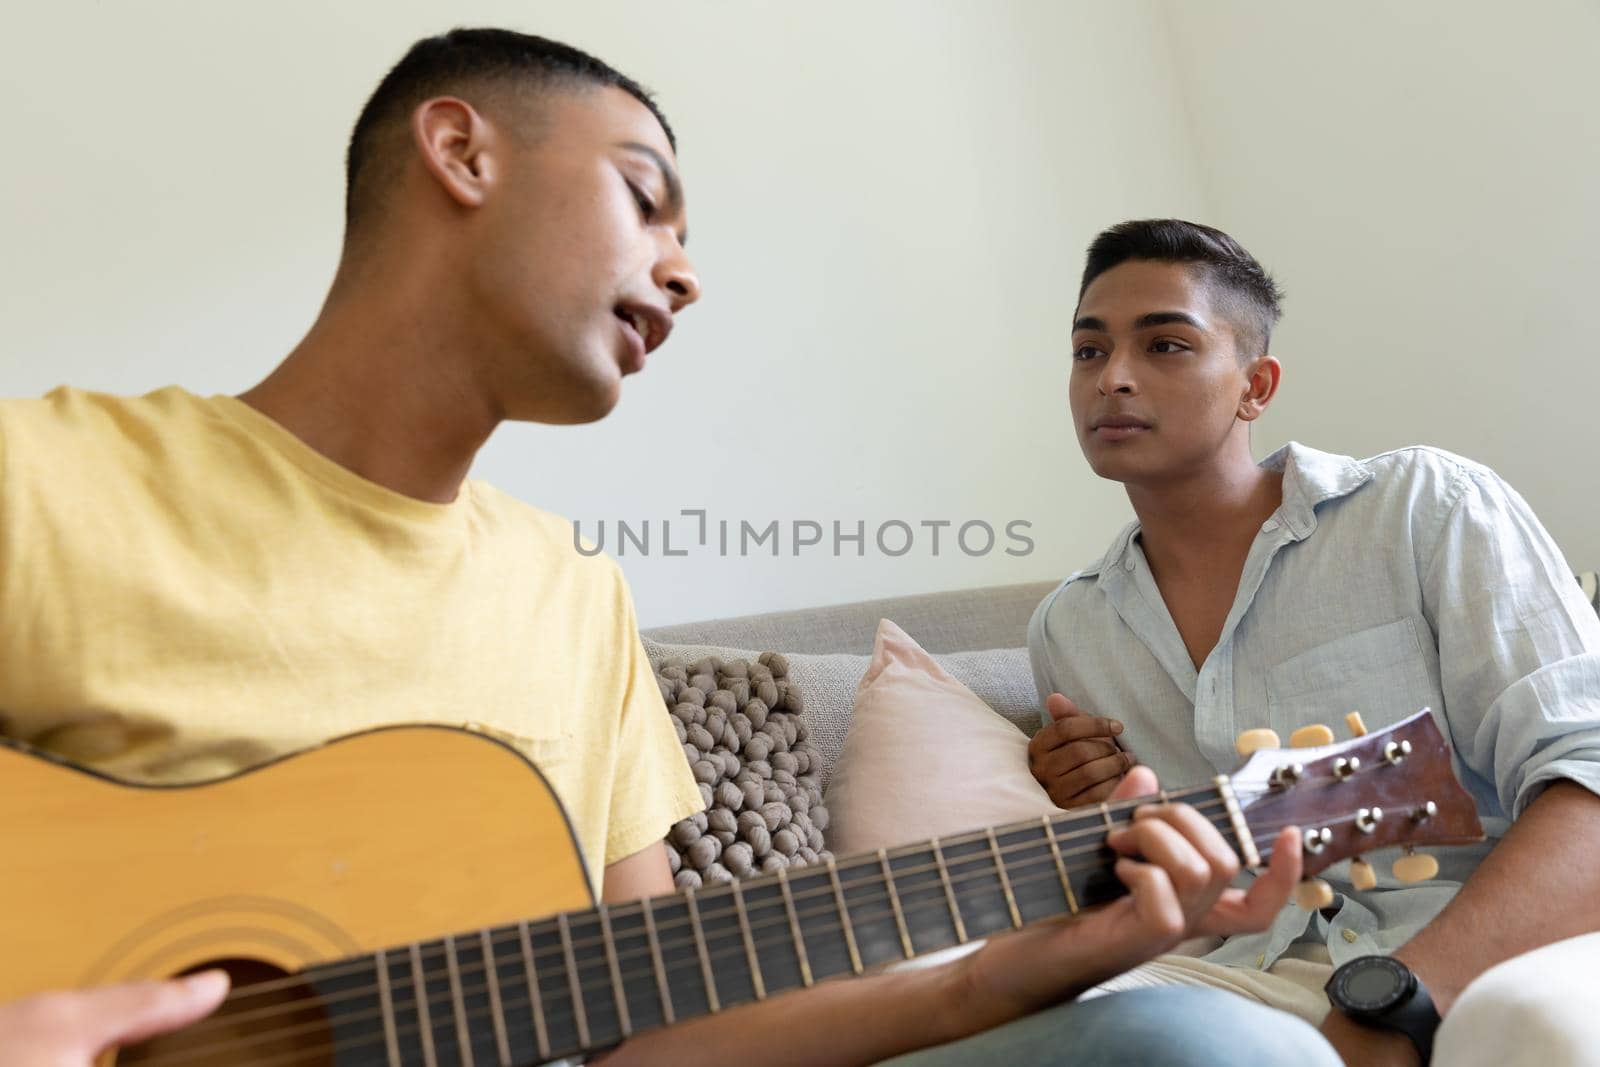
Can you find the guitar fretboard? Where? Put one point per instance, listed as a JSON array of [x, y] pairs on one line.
[[586, 980]]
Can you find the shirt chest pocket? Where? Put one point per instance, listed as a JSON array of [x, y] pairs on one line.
[[1381, 672]]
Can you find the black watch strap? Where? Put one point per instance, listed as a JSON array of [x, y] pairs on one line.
[[1417, 1018]]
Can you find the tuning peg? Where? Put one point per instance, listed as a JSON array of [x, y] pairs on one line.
[[1251, 740], [1313, 894], [1362, 876], [1415, 867], [1311, 736], [1357, 727]]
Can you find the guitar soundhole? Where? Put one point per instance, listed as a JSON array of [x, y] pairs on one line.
[[269, 1017]]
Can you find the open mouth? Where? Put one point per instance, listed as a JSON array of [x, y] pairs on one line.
[[650, 324], [637, 321]]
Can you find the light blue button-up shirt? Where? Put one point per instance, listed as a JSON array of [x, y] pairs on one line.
[[1413, 579]]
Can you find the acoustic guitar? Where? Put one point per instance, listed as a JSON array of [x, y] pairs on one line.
[[323, 882]]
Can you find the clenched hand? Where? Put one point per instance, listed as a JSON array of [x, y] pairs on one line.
[[1076, 758]]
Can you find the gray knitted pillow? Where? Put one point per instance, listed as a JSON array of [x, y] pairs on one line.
[[742, 731]]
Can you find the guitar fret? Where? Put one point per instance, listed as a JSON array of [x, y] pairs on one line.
[[949, 892], [700, 948], [541, 1034], [894, 904], [749, 942], [1005, 881], [1061, 866], [656, 961], [579, 1015], [1105, 813], [616, 972], [844, 917], [453, 966], [391, 1039], [419, 983], [794, 929], [497, 1011]]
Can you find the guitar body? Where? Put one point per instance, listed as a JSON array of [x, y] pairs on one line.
[[374, 840]]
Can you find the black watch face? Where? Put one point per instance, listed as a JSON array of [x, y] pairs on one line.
[[1372, 985]]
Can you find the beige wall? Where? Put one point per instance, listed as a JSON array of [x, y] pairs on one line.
[[1425, 177], [889, 203]]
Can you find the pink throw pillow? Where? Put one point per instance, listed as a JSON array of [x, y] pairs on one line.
[[924, 757]]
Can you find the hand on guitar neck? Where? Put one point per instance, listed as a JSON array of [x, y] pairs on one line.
[[1179, 887]]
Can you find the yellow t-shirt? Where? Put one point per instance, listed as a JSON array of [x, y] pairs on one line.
[[188, 589]]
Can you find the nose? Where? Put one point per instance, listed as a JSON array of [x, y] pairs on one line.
[[675, 276], [1116, 376]]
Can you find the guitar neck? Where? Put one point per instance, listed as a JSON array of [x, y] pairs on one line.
[[585, 980]]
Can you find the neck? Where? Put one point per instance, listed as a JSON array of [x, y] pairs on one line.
[[1216, 510], [584, 980], [381, 387]]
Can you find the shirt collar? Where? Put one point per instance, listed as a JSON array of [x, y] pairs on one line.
[[1310, 478], [1117, 554]]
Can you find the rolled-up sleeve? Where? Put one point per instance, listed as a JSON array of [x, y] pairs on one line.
[[1519, 648]]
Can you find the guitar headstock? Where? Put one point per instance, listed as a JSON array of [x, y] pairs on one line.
[[1393, 787]]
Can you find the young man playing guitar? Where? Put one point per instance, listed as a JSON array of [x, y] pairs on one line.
[[1273, 595], [197, 585]]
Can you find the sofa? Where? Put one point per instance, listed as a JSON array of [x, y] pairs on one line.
[[992, 617], [980, 635]]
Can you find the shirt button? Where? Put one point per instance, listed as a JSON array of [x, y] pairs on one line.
[[1261, 960], [1269, 526], [1128, 564], [1350, 935]]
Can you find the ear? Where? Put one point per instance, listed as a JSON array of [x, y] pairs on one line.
[[1261, 385], [456, 146]]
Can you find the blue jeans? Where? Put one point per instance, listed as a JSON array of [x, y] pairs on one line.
[[1175, 1026]]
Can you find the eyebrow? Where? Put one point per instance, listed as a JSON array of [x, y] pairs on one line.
[[668, 176], [1143, 322]]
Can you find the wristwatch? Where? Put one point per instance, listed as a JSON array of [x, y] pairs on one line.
[[1383, 992]]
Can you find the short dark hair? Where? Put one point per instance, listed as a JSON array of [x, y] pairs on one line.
[[1249, 295], [448, 62]]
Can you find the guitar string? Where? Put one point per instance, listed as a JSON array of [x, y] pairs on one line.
[[435, 949], [737, 951], [735, 936], [604, 983], [552, 1018], [866, 863], [547, 925]]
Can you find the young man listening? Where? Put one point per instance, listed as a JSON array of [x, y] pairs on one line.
[[1289, 592]]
